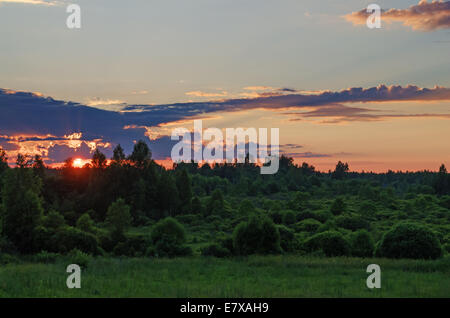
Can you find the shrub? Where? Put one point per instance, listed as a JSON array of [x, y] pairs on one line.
[[168, 248], [6, 246], [105, 240], [321, 216], [362, 244], [287, 238], [307, 225], [45, 257], [409, 240], [53, 220], [445, 201], [351, 223], [289, 217], [216, 250], [246, 207], [133, 245], [8, 259], [121, 249], [276, 216], [332, 243], [118, 217], [216, 203], [307, 214], [168, 237], [70, 238], [197, 207], [338, 207], [257, 236], [86, 224], [79, 258], [367, 208]]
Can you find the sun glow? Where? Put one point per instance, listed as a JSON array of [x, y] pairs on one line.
[[78, 163]]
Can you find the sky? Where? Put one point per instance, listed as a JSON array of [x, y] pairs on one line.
[[378, 99]]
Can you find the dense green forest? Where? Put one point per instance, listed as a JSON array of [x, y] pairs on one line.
[[130, 206]]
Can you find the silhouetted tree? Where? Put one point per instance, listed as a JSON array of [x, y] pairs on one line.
[[442, 181], [39, 166], [98, 160], [340, 171], [3, 161], [184, 190], [23, 161], [21, 208], [167, 195], [141, 155], [118, 155]]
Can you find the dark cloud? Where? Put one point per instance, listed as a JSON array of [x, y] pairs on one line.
[[32, 119], [8, 146], [306, 155], [339, 113]]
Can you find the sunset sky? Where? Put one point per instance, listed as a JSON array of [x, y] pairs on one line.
[[378, 99]]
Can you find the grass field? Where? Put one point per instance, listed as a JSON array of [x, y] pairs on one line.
[[256, 276]]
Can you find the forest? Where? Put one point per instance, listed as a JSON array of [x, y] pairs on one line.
[[128, 206], [131, 206]]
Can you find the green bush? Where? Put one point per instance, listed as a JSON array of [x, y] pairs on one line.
[[445, 201], [53, 220], [118, 217], [351, 223], [246, 207], [168, 238], [257, 236], [287, 239], [79, 258], [133, 245], [8, 259], [69, 238], [307, 225], [367, 208], [332, 243], [289, 217], [86, 224], [338, 207], [276, 216], [121, 249], [362, 244], [215, 250], [46, 257], [321, 216], [410, 240]]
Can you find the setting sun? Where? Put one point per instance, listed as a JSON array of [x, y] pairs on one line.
[[78, 163]]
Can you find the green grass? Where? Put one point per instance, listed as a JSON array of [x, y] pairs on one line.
[[256, 276]]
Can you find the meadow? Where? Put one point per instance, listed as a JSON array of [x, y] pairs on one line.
[[276, 276], [140, 230]]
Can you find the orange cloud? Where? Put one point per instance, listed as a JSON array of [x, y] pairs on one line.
[[425, 16], [258, 88], [204, 94], [35, 2]]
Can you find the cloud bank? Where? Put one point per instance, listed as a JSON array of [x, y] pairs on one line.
[[33, 2], [425, 16], [35, 124]]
